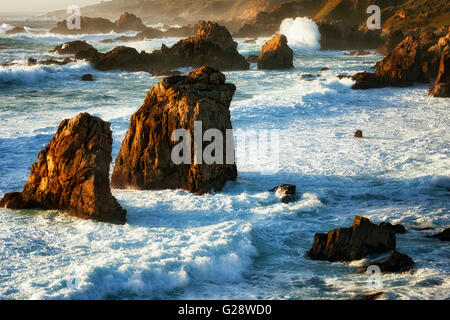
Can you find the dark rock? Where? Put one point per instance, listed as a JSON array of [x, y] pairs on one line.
[[88, 25], [72, 47], [286, 193], [357, 53], [346, 244], [72, 173], [252, 58], [87, 77], [165, 73], [276, 54], [31, 62], [375, 296], [129, 22], [397, 228], [443, 236], [144, 160], [358, 134], [391, 42], [397, 262], [324, 69], [16, 30]]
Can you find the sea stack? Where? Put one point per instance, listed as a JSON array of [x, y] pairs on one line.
[[177, 102], [276, 54], [345, 244], [72, 173]]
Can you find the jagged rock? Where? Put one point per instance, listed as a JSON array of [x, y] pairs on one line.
[[286, 193], [358, 134], [397, 262], [443, 236], [123, 58], [16, 30], [129, 22], [391, 42], [252, 58], [31, 62], [144, 160], [165, 73], [441, 87], [87, 77], [397, 228], [346, 244], [72, 173], [415, 59], [88, 25], [276, 54], [72, 47]]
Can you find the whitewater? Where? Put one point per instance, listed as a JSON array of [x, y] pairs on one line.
[[240, 243]]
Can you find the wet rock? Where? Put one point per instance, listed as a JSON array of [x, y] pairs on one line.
[[324, 69], [357, 53], [72, 47], [443, 236], [72, 173], [286, 193], [397, 262], [346, 244], [376, 296], [441, 87], [397, 228], [165, 73], [276, 54], [49, 62], [87, 77], [144, 160], [250, 41], [16, 30], [358, 134], [123, 58], [31, 62]]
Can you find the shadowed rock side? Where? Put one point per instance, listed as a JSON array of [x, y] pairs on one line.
[[415, 59], [346, 244], [443, 236], [144, 160], [72, 47], [276, 54], [441, 87], [72, 173], [397, 262]]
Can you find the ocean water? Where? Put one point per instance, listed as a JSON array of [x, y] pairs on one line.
[[241, 242]]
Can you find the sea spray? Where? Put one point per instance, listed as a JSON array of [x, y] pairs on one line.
[[302, 33]]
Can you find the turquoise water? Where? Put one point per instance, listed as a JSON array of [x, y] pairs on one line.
[[242, 242]]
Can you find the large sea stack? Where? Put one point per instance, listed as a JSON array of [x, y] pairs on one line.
[[276, 54], [345, 244], [144, 160], [72, 173]]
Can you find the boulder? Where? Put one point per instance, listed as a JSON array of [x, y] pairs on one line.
[[88, 25], [358, 134], [16, 30], [443, 236], [87, 77], [72, 173], [31, 62], [123, 58], [129, 22], [177, 102], [397, 228], [397, 262], [354, 243], [441, 87], [72, 47], [286, 193], [276, 54]]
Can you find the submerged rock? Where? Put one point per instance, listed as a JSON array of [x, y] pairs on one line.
[[346, 244], [276, 54], [443, 236], [357, 53], [441, 87], [72, 173], [286, 193], [358, 134], [397, 262], [144, 160], [87, 77], [397, 228]]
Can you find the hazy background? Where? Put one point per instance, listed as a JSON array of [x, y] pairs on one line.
[[40, 5]]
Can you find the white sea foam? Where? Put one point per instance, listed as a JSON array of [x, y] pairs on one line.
[[302, 33]]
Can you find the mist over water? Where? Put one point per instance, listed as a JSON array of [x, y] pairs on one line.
[[302, 33]]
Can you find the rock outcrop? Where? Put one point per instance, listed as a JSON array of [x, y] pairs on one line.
[[72, 47], [286, 193], [129, 22], [87, 77], [346, 244], [441, 87], [358, 134], [415, 59], [276, 54], [443, 236], [397, 262], [396, 228], [177, 102], [72, 173], [16, 30]]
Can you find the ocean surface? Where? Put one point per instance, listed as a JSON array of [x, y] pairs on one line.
[[241, 243]]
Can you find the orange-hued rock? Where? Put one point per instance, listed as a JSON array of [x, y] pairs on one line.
[[276, 54], [72, 173], [346, 244], [441, 88], [144, 160]]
